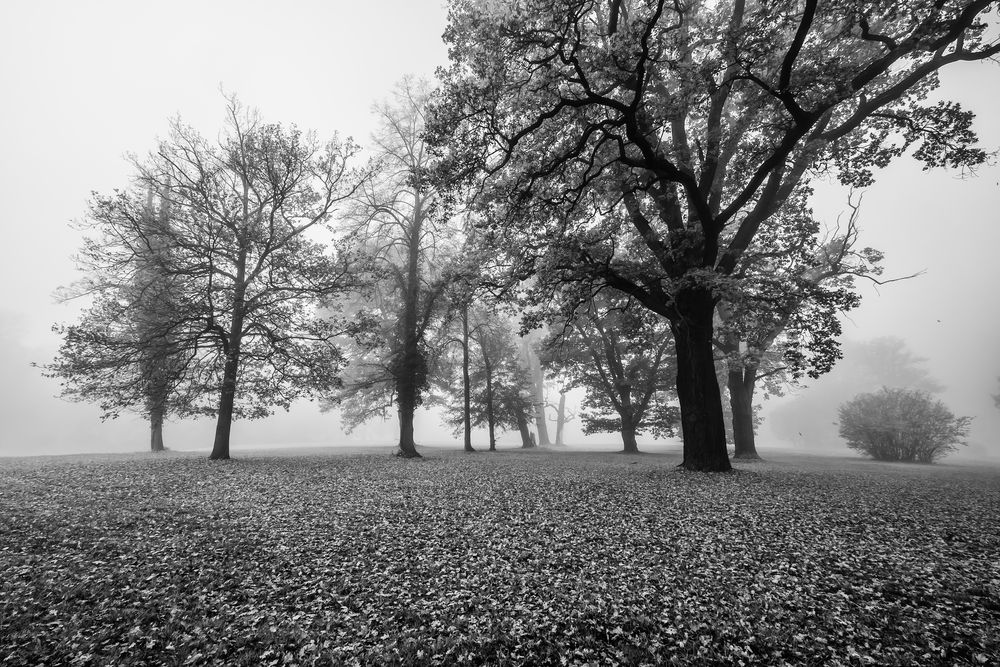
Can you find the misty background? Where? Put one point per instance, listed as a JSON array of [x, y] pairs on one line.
[[86, 85]]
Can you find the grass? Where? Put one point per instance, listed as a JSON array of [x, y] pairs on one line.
[[506, 558]]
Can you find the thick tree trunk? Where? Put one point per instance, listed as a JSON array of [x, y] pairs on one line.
[[407, 446], [407, 371], [627, 415], [466, 384], [522, 427], [628, 438], [741, 383], [156, 429], [702, 419]]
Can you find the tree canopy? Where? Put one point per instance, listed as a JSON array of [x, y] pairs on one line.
[[690, 123]]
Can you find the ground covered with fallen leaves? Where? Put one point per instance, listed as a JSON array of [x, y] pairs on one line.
[[503, 558]]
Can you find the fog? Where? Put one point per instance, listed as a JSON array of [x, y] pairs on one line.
[[85, 84]]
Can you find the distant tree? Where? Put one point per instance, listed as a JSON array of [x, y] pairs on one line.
[[897, 424], [692, 123], [130, 349], [563, 417], [500, 396], [996, 399], [807, 416], [397, 223], [620, 354], [781, 319], [244, 213], [529, 353]]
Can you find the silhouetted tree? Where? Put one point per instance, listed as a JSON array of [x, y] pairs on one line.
[[807, 417], [131, 349]]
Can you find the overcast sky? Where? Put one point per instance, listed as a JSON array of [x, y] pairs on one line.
[[84, 84]]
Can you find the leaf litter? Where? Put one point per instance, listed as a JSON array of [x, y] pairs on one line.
[[507, 558]]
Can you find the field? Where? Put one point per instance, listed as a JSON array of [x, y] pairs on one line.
[[539, 557]]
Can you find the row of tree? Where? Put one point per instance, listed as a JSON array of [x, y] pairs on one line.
[[633, 174], [182, 309]]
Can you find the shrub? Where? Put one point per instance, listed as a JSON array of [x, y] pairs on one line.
[[901, 425]]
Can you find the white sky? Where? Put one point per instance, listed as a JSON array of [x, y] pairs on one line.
[[83, 84]]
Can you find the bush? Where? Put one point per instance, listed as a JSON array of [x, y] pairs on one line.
[[901, 425]]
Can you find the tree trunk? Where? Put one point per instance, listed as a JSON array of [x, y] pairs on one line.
[[561, 419], [627, 415], [466, 384], [628, 437], [698, 393], [538, 398], [227, 399], [156, 429], [407, 446], [409, 368], [490, 419], [740, 382], [522, 427]]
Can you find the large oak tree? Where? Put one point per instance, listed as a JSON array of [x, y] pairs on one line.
[[696, 120]]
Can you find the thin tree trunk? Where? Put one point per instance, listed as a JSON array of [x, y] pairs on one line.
[[224, 422], [561, 419], [490, 419], [740, 382], [702, 419], [227, 398], [466, 383]]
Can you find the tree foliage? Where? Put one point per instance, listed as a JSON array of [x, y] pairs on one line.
[[896, 424]]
